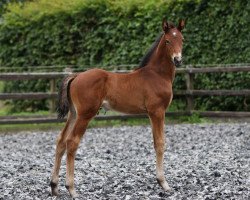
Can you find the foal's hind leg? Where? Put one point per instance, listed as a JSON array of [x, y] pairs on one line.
[[72, 144], [157, 121], [60, 149]]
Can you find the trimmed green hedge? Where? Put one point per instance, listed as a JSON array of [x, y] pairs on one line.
[[109, 32], [106, 33], [3, 4]]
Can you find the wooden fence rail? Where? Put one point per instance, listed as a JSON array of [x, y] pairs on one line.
[[189, 94]]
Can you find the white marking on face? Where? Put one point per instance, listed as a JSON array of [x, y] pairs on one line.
[[174, 34], [177, 56]]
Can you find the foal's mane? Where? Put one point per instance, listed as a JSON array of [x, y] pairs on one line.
[[145, 59]]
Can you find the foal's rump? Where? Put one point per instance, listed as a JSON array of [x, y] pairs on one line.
[[87, 91]]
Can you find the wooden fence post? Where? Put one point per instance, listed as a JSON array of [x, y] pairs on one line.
[[52, 90], [190, 86]]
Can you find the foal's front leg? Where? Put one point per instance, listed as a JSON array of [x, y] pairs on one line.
[[157, 121]]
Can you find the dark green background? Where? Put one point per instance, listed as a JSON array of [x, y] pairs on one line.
[[217, 32]]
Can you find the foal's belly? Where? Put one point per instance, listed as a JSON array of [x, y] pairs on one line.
[[128, 106]]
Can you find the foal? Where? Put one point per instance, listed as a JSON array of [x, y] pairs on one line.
[[146, 90]]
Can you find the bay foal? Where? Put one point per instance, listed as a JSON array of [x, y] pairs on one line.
[[147, 89]]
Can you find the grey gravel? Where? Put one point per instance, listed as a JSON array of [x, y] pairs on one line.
[[207, 161]]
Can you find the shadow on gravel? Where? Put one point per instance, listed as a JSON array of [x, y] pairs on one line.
[[201, 162]]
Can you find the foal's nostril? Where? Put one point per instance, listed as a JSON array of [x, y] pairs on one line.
[[177, 61]]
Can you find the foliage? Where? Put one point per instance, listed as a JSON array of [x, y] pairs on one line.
[[193, 119], [3, 4], [111, 32], [229, 81]]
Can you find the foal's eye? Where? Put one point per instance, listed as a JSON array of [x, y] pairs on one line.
[[167, 42]]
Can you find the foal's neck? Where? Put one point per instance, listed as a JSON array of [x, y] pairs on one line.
[[161, 62]]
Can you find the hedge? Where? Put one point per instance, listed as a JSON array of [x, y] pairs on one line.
[[4, 3], [109, 32]]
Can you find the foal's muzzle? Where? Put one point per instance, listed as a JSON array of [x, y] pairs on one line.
[[177, 61]]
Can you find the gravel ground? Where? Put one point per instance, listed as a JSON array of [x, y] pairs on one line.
[[201, 162]]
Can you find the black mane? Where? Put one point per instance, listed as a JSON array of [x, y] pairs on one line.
[[145, 59]]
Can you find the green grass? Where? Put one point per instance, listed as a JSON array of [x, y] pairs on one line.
[[99, 123], [58, 126], [195, 118], [117, 123], [8, 128], [5, 111]]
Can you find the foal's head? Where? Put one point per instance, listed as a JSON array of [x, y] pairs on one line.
[[173, 40]]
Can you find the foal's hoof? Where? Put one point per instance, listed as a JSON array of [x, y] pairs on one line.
[[54, 192], [74, 196], [72, 192], [54, 189], [164, 185]]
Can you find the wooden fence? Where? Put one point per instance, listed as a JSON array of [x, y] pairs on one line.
[[189, 94]]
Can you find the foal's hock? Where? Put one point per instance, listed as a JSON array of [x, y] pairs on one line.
[[148, 90]]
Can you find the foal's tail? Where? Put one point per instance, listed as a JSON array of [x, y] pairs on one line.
[[63, 96]]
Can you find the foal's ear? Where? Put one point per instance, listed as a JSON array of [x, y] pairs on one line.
[[165, 25], [181, 25]]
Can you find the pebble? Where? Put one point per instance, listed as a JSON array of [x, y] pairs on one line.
[[207, 161]]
